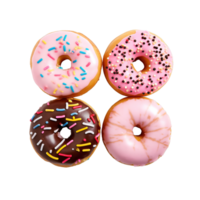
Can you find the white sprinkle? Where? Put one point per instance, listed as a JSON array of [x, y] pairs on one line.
[[56, 130], [39, 142], [50, 151], [94, 145], [89, 132], [53, 119], [83, 109], [34, 135], [66, 105], [37, 119], [41, 148], [47, 128], [73, 149], [31, 133], [60, 144], [87, 124]]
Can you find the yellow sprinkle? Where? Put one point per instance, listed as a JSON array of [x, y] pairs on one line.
[[65, 76], [74, 73], [73, 104], [50, 70], [85, 150], [77, 68], [61, 91], [70, 100], [82, 129], [55, 90], [61, 148], [49, 110], [74, 119], [44, 42], [55, 158], [78, 36], [77, 149], [79, 41], [58, 85], [76, 85], [78, 47], [83, 145]]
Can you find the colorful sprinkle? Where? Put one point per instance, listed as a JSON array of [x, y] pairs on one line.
[[59, 150], [76, 78], [39, 60], [70, 142], [58, 38], [64, 38], [74, 113], [83, 74], [47, 67], [65, 124], [83, 78], [52, 48], [82, 129], [72, 88], [49, 110], [60, 109], [60, 116], [85, 150], [55, 158], [41, 75], [82, 69], [64, 48], [72, 125], [44, 42], [88, 64], [83, 145], [86, 49], [74, 61], [50, 56], [36, 126], [82, 52], [68, 43]]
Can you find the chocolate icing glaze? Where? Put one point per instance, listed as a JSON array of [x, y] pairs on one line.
[[49, 140]]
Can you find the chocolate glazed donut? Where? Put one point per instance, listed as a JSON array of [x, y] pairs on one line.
[[51, 118]]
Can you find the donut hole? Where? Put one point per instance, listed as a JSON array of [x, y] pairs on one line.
[[64, 61], [138, 132], [65, 133], [141, 64]]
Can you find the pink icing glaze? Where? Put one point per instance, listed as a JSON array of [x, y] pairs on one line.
[[119, 64], [118, 131], [58, 82]]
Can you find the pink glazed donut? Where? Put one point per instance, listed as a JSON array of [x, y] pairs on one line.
[[51, 50], [120, 140], [123, 51]]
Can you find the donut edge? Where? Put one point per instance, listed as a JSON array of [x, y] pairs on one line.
[[106, 120], [85, 159], [92, 82], [111, 47]]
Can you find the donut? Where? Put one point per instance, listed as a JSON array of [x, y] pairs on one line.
[[51, 50], [118, 136], [48, 122], [123, 51]]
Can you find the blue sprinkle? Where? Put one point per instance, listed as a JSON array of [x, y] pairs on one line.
[[47, 122], [64, 48], [65, 124], [59, 38], [74, 61], [75, 113], [82, 52], [76, 78], [52, 48], [83, 78], [39, 60], [86, 49], [60, 68], [68, 43], [70, 50], [82, 69], [36, 126], [32, 118], [64, 84], [41, 75], [64, 37], [60, 109], [83, 74], [72, 88]]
